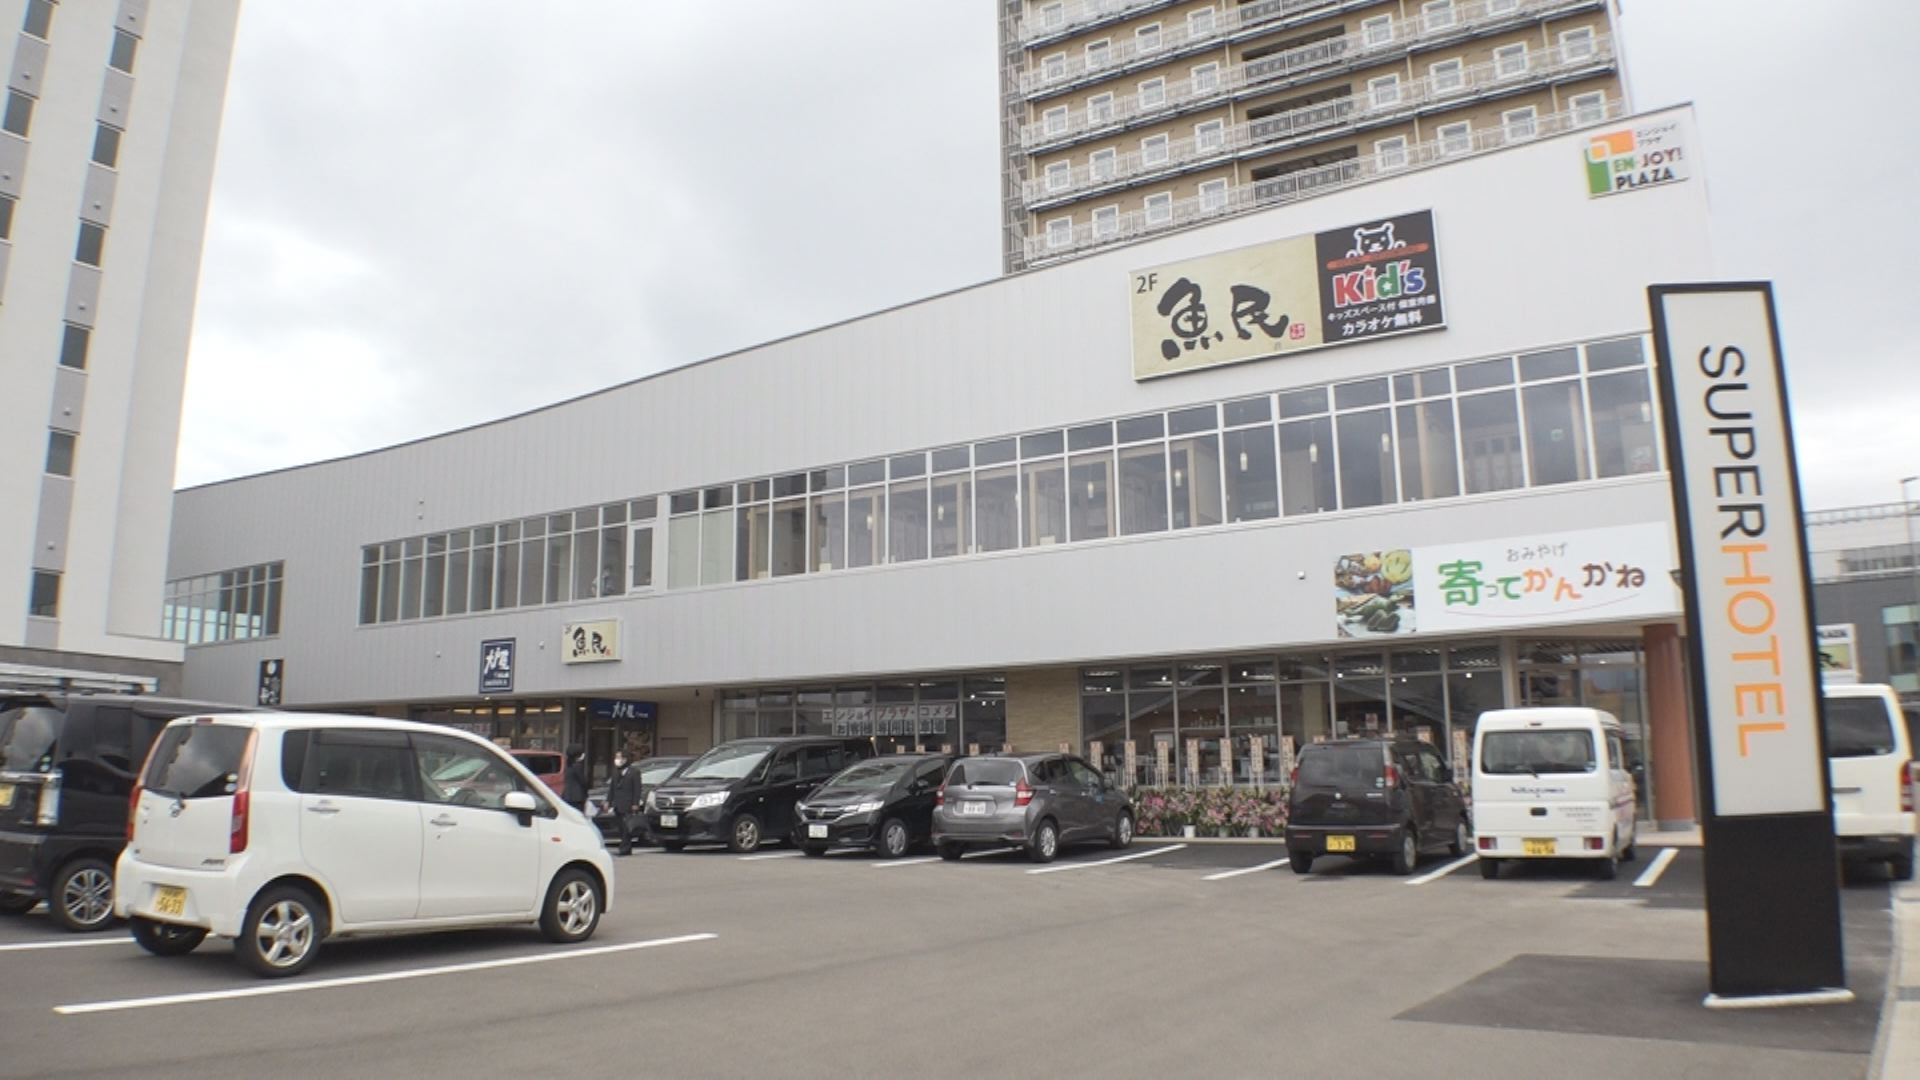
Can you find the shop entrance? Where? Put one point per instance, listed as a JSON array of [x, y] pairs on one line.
[[1607, 675]]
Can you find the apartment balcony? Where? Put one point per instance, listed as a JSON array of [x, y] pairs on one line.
[[1322, 59], [1085, 237], [1343, 116], [1077, 15]]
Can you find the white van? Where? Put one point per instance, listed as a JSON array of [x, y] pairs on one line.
[[1871, 769], [1552, 783]]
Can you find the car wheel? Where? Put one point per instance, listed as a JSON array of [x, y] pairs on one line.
[[1408, 856], [572, 909], [282, 932], [1301, 862], [82, 895], [1461, 844], [1046, 841], [950, 852], [673, 845], [161, 939], [1123, 830], [1490, 868], [17, 903], [894, 839], [744, 837], [1608, 867], [814, 850], [1628, 854]]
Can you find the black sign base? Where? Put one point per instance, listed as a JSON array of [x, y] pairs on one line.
[[1773, 908]]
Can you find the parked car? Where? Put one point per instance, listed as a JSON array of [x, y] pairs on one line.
[[1552, 783], [883, 805], [1387, 798], [549, 765], [742, 793], [1035, 802], [280, 831], [654, 771], [1873, 774], [67, 765]]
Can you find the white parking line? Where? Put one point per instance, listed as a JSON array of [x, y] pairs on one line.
[[262, 990], [989, 851], [773, 855], [1445, 870], [1108, 862], [65, 944], [882, 865], [1275, 864], [1659, 866]]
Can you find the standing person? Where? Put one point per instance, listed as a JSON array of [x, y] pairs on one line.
[[573, 787], [623, 797]]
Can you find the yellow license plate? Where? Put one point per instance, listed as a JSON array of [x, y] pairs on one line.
[[1539, 847], [1339, 843], [169, 900], [6, 796]]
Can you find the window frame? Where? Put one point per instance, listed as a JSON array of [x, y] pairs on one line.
[[1507, 52], [1395, 145], [1160, 199], [1453, 66], [1442, 133], [1057, 238]]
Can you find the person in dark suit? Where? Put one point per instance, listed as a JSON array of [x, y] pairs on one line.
[[573, 786], [623, 798]]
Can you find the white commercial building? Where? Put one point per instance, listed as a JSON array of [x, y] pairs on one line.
[[1381, 458]]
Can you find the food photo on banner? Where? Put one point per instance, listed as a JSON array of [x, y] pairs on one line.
[[1373, 594]]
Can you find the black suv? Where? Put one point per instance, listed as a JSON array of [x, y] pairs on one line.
[[742, 793], [1373, 797], [67, 767]]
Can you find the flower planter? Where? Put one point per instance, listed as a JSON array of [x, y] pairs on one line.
[[1188, 831]]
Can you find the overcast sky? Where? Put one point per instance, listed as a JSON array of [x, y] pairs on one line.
[[430, 214]]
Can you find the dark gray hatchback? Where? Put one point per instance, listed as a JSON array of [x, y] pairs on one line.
[[1388, 798]]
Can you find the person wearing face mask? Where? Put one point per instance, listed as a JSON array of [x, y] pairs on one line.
[[623, 797]]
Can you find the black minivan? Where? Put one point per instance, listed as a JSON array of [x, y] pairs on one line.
[[1392, 798], [884, 805], [742, 793], [67, 765]]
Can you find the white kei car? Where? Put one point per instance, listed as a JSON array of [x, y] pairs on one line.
[[281, 830]]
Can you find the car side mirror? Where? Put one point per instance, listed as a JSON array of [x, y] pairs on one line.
[[521, 803]]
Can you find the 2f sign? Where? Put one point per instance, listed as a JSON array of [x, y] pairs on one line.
[[1738, 503]]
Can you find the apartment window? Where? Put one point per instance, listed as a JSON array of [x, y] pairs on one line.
[[1099, 109], [1053, 16], [1099, 54], [1213, 196], [39, 18], [1153, 150], [1391, 153], [19, 115], [1210, 136], [1384, 92], [1438, 14], [1576, 44], [1589, 108], [121, 58], [93, 239], [1160, 208], [1106, 221], [6, 217], [1510, 60], [1377, 31], [1059, 233], [1200, 23], [45, 603], [1054, 121], [1206, 79], [1054, 68], [235, 605], [73, 347], [1456, 138], [60, 453], [1102, 163], [1146, 39], [1502, 7], [1059, 176], [1448, 75], [1153, 93], [106, 146], [1521, 124]]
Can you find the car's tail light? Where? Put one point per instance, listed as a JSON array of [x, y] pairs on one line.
[[242, 797], [133, 808], [940, 795], [1910, 775], [1486, 843], [1022, 792], [1596, 843], [1393, 776], [1293, 778], [47, 814]]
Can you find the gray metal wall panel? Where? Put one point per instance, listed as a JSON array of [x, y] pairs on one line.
[[56, 515], [69, 399], [116, 98], [96, 199], [13, 163], [43, 634], [83, 295], [29, 75], [132, 17]]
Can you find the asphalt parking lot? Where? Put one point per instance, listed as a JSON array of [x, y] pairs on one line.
[[1178, 961]]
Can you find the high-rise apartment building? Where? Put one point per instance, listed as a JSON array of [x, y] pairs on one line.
[[107, 137], [1124, 118]]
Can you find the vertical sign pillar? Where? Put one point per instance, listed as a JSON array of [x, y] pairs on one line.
[[1773, 898]]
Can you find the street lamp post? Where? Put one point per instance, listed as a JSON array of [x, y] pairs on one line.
[[1913, 569]]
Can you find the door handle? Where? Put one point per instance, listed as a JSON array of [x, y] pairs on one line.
[[323, 808], [444, 821]]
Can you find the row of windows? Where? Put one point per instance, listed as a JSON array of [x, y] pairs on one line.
[[1557, 416], [954, 711], [39, 23], [233, 605]]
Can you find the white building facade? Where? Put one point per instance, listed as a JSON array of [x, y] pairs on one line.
[[111, 120], [1375, 460]]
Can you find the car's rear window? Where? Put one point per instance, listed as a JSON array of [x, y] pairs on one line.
[[197, 761], [540, 763], [654, 774], [987, 771], [1537, 753], [1858, 727], [1333, 765], [27, 734]]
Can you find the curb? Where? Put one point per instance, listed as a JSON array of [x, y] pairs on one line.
[[1278, 841], [1896, 1052]]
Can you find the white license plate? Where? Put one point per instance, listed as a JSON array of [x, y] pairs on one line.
[[669, 821], [976, 809], [816, 832]]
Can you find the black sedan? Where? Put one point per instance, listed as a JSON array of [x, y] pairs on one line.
[[653, 771], [883, 804]]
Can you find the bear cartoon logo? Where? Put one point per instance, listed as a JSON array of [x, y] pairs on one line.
[[1370, 241]]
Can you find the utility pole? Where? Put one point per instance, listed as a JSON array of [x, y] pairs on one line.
[[1913, 573]]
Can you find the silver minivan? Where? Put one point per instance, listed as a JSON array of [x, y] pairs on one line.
[[1035, 802]]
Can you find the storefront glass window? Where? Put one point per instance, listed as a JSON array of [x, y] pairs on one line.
[[907, 521], [1045, 505], [1253, 476], [1490, 442], [716, 547], [1090, 489], [1429, 463], [1366, 458], [829, 531], [997, 511], [1556, 433], [984, 711], [866, 526], [1306, 465], [1143, 489], [1196, 481], [789, 548], [753, 537], [683, 552], [1625, 441], [952, 502]]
